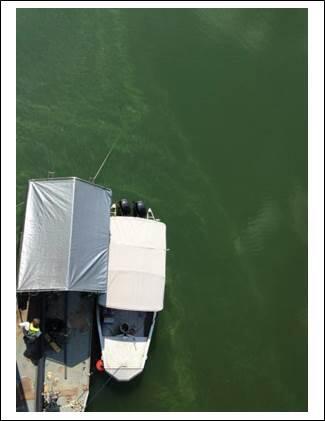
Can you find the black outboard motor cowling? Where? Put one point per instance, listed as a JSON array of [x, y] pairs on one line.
[[125, 207], [139, 209]]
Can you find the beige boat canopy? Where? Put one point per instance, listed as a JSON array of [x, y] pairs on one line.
[[137, 265], [66, 236]]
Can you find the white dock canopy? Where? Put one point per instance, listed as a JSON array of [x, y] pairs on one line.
[[137, 265], [66, 236]]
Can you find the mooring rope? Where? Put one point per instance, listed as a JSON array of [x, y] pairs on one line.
[[19, 204], [102, 387]]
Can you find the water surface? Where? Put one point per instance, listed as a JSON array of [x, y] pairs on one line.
[[210, 111]]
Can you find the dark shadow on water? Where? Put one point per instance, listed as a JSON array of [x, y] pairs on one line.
[[125, 388]]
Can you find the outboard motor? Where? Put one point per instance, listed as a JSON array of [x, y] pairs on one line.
[[125, 208], [139, 209]]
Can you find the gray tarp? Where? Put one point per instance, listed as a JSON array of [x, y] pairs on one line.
[[66, 236]]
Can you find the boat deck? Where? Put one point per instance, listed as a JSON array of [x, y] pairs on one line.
[[124, 353], [66, 373], [68, 319], [139, 322]]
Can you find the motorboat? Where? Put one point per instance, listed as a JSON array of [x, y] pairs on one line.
[[128, 310]]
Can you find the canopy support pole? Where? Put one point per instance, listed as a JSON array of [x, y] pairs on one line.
[[66, 335]]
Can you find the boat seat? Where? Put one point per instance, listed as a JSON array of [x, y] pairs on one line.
[[109, 320]]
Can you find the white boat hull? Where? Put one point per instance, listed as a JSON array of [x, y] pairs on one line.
[[123, 356]]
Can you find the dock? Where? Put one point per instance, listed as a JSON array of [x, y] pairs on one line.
[[59, 380], [26, 371]]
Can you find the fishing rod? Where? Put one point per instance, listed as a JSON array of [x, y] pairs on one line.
[[105, 159]]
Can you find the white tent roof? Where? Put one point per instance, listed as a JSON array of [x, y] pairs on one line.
[[66, 236], [137, 265]]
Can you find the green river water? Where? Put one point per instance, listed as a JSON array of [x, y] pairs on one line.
[[210, 111]]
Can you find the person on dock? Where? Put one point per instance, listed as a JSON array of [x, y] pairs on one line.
[[32, 334]]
